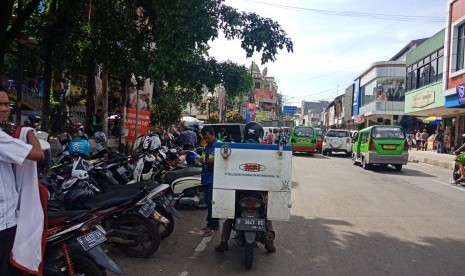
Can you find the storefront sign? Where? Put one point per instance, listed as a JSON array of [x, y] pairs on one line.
[[423, 99], [460, 90]]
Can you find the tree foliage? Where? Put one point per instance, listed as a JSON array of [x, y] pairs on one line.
[[165, 41]]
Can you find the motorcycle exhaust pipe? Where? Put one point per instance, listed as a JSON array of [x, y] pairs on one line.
[[269, 236]]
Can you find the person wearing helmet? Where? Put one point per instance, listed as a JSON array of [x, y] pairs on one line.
[[253, 133], [12, 152], [187, 139]]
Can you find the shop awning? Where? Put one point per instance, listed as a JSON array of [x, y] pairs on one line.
[[432, 119]]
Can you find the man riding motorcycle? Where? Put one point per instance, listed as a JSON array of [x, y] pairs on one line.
[[460, 159], [253, 133]]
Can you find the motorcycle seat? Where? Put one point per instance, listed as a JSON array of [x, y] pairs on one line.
[[57, 217], [111, 199], [142, 185], [184, 172]]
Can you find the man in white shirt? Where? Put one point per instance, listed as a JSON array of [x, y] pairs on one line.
[[12, 151]]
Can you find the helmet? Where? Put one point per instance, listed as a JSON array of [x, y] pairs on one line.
[[253, 131], [100, 137], [79, 146], [155, 142], [80, 168], [191, 157], [64, 138]]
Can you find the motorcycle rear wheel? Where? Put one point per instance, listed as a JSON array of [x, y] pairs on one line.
[[84, 265], [248, 257], [145, 235]]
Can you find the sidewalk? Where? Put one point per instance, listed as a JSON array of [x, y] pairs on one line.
[[431, 157]]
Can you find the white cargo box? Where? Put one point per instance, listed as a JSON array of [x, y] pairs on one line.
[[256, 167]]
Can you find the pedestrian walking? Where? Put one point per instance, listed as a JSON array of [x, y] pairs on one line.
[[410, 140], [440, 141], [208, 159], [424, 140], [418, 139]]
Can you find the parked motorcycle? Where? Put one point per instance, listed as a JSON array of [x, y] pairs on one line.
[[131, 220], [74, 245]]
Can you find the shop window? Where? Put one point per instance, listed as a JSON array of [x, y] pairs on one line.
[[440, 67], [459, 64], [433, 71]]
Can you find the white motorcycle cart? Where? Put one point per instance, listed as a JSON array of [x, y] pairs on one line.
[[252, 167]]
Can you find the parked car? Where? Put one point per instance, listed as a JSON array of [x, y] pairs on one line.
[[319, 139], [337, 140], [380, 145]]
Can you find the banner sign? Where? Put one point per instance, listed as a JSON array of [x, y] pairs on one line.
[[461, 93], [289, 109], [143, 124]]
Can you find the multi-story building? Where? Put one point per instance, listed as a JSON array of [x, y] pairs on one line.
[[311, 112], [264, 98], [454, 69], [424, 83], [379, 91]]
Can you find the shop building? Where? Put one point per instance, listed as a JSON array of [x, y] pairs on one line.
[[454, 68], [379, 92]]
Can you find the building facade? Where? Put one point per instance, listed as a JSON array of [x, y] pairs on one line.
[[454, 68]]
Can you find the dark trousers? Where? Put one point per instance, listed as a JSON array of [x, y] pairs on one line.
[[211, 222], [7, 237]]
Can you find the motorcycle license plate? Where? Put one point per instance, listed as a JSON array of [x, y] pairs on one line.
[[147, 209], [169, 203], [244, 224], [91, 240]]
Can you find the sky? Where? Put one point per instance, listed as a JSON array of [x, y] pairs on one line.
[[330, 51]]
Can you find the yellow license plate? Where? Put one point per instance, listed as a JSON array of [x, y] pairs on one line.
[[389, 147], [303, 140]]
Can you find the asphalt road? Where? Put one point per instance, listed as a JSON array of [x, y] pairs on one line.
[[345, 221]]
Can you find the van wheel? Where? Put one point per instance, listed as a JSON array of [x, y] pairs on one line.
[[398, 167], [365, 165]]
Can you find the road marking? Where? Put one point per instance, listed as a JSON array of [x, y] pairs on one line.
[[449, 185], [201, 247]]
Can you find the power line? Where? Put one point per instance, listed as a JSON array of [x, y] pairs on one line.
[[377, 16]]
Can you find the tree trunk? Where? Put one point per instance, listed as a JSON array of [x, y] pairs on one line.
[[2, 71], [90, 95], [122, 121], [105, 73], [48, 67]]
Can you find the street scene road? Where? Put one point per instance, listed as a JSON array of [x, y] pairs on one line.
[[345, 221]]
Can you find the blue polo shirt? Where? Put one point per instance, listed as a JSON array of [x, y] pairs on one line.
[[207, 169]]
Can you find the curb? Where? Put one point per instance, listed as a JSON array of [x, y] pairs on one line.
[[426, 160]]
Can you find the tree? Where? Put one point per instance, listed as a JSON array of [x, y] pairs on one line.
[[13, 18]]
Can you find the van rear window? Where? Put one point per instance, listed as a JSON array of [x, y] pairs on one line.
[[340, 134], [303, 131], [387, 133]]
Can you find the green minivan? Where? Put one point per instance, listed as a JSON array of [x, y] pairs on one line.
[[380, 145], [303, 138]]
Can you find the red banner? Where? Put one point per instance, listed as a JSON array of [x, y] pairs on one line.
[[143, 124]]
